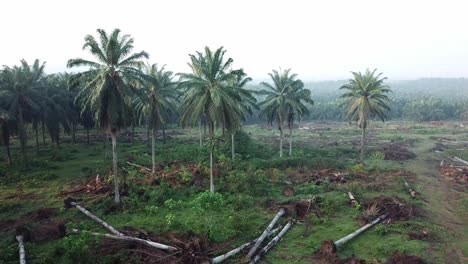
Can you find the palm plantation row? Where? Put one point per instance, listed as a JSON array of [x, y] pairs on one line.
[[118, 90]]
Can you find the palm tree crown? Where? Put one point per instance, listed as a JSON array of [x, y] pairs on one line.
[[106, 83]]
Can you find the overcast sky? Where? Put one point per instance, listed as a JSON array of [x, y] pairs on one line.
[[319, 40]]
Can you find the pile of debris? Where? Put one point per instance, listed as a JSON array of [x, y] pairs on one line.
[[171, 173], [393, 208], [395, 151], [97, 185], [317, 177], [453, 170]]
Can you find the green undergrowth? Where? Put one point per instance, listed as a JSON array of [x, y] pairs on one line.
[[249, 192]]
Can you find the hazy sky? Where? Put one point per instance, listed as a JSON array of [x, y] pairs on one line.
[[319, 40]]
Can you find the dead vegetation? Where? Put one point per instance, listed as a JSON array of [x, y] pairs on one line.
[[316, 177], [451, 170], [394, 208]]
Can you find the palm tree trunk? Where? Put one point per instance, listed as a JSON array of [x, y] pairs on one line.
[[147, 136], [37, 139], [7, 146], [22, 133], [73, 132], [211, 134], [363, 138], [201, 140], [212, 190], [43, 133], [153, 147], [105, 146], [232, 147], [114, 160], [87, 135], [290, 141], [281, 143], [132, 137]]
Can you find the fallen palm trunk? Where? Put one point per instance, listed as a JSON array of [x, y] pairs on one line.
[[345, 239], [460, 160], [69, 203], [130, 239], [353, 200], [22, 252], [273, 242], [138, 166], [264, 234], [411, 191], [235, 251]]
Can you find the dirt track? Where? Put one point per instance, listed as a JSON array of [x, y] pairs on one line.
[[443, 201]]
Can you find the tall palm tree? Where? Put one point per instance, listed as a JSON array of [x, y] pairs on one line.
[[247, 104], [19, 91], [364, 98], [208, 95], [297, 100], [105, 84], [276, 105], [157, 100]]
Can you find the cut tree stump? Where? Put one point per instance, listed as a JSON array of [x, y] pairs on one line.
[[272, 243], [130, 239], [235, 251], [22, 252], [70, 203], [264, 234], [353, 200], [411, 191], [345, 239]]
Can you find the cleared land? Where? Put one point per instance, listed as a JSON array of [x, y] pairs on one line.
[[171, 206]]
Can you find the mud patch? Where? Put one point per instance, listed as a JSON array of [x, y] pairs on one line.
[[396, 151]]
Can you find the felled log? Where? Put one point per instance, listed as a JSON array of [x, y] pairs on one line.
[[22, 252], [353, 200], [139, 166], [411, 191], [460, 160], [235, 251], [130, 239], [70, 203], [345, 239], [273, 242], [264, 234]]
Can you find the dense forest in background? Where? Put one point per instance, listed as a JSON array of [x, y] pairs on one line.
[[428, 99]]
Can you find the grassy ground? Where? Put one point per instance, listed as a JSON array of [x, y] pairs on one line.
[[250, 193]]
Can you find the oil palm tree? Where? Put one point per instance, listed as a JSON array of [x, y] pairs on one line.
[[277, 103], [19, 94], [297, 100], [364, 98], [104, 87], [247, 104], [156, 101], [208, 95]]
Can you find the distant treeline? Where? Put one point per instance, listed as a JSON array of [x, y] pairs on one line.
[[429, 99]]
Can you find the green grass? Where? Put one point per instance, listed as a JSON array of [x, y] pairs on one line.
[[247, 187]]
